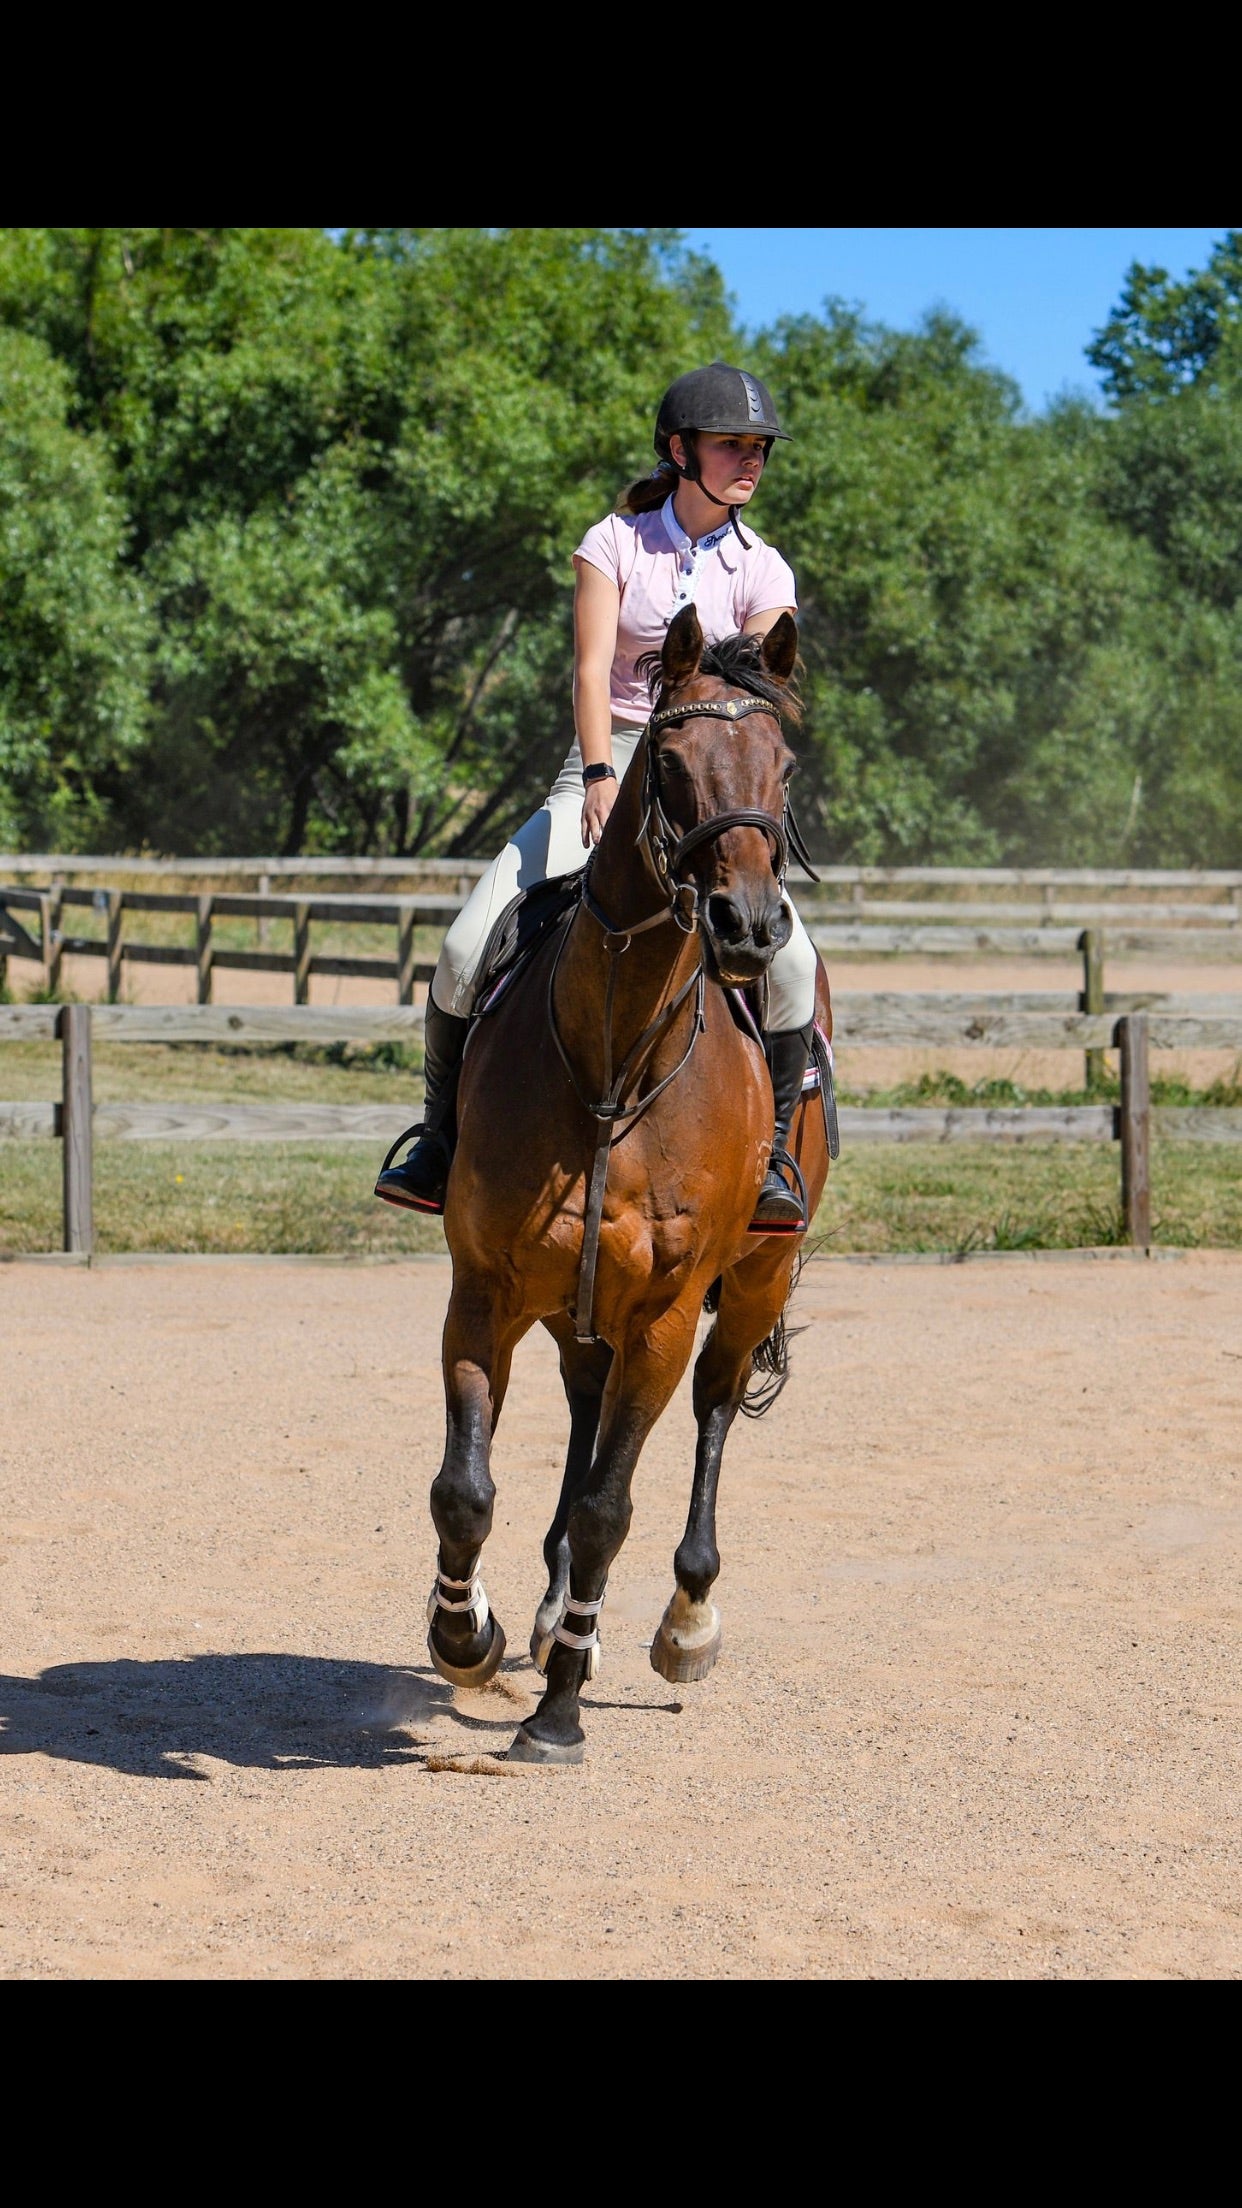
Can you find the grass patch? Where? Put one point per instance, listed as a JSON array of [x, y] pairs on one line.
[[220, 1198], [950, 1091], [213, 1073], [284, 1198], [1036, 1196]]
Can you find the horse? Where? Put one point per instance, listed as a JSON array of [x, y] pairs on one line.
[[615, 1118]]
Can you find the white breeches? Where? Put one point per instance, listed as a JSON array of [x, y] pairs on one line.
[[550, 842]]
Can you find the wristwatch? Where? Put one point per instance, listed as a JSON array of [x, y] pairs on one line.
[[600, 772]]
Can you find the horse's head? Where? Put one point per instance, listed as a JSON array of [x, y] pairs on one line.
[[716, 774]]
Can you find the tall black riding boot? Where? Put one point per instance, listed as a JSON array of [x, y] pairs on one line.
[[781, 1208], [421, 1180]]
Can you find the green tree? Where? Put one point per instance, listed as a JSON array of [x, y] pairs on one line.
[[355, 469], [955, 583], [1166, 334], [74, 633]]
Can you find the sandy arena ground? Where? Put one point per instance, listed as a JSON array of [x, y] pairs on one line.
[[976, 1715]]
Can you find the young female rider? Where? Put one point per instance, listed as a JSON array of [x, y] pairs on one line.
[[674, 539]]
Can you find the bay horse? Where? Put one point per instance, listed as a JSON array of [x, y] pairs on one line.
[[615, 1121]]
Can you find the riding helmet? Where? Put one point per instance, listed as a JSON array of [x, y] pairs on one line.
[[722, 399]]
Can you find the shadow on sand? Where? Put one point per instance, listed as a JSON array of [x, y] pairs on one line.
[[266, 1712]]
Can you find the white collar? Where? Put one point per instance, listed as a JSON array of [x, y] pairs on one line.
[[682, 543]]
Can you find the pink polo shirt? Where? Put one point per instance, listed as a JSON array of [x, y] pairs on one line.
[[658, 570]]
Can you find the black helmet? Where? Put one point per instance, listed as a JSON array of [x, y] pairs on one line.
[[722, 399]]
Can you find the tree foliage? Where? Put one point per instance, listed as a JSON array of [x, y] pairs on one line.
[[286, 520]]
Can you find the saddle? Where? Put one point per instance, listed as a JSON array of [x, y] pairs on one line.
[[526, 922], [535, 913]]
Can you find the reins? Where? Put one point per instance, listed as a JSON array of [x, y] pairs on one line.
[[666, 849], [610, 1109]]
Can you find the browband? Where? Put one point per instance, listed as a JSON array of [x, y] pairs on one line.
[[720, 709]]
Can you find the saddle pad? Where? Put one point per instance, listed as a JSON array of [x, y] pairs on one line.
[[810, 1079]]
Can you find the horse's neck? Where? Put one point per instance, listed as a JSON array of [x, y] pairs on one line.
[[648, 973]]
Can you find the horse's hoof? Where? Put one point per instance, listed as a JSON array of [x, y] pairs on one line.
[[524, 1748], [682, 1662], [473, 1675]]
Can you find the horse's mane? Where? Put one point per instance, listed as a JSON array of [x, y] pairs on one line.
[[737, 660]]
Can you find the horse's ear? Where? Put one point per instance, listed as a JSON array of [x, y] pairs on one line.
[[779, 650], [683, 647]]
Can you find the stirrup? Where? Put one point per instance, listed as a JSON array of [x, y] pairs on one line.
[[408, 1200], [777, 1160]]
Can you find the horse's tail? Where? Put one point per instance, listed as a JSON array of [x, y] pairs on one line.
[[769, 1365]]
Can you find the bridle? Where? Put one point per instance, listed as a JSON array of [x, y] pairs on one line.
[[666, 849]]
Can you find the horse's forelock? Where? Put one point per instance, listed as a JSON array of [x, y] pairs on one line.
[[737, 659], [734, 659]]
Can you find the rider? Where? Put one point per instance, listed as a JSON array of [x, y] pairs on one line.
[[673, 540]]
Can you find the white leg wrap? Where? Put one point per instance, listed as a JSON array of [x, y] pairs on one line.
[[468, 1595], [581, 1641]]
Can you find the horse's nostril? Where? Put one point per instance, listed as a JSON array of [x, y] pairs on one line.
[[774, 928], [727, 924]]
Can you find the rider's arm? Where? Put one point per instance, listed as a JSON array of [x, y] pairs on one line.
[[760, 623], [597, 607]]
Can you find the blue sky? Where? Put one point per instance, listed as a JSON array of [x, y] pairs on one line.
[[1036, 297]]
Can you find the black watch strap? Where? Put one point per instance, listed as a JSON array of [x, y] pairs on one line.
[[600, 772]]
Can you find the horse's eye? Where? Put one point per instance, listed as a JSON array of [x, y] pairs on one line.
[[671, 764], [788, 772]]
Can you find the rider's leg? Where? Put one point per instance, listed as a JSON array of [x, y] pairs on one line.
[[791, 1024], [419, 1182], [549, 842]]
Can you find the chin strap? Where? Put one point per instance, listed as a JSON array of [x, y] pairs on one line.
[[699, 484]]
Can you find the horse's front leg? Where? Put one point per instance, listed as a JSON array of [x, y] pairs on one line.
[[584, 1371], [639, 1386], [753, 1297], [464, 1639]]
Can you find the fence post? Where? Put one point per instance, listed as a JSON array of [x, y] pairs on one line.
[[204, 949], [405, 956], [49, 914], [74, 1021], [1091, 944], [265, 890], [115, 943], [301, 954], [1130, 1036]]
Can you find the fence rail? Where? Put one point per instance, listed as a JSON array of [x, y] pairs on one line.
[[1168, 1022], [64, 866], [878, 927]]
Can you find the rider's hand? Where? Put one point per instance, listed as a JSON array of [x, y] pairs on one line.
[[596, 806]]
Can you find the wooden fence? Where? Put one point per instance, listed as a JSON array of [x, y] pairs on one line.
[[1133, 1026], [1212, 885], [852, 913]]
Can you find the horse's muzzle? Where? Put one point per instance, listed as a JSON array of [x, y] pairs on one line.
[[743, 937]]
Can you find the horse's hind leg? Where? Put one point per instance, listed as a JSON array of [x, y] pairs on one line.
[[465, 1641], [584, 1371], [752, 1299]]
